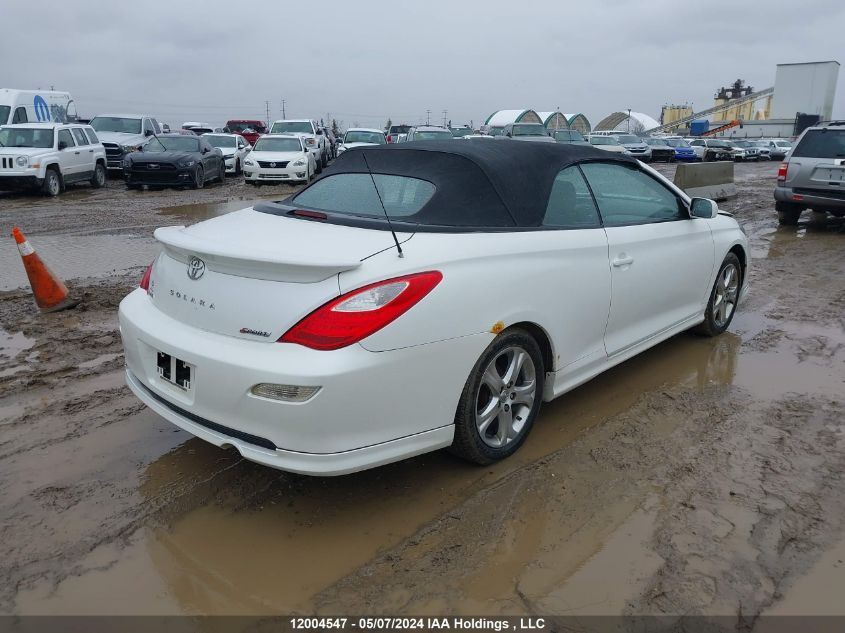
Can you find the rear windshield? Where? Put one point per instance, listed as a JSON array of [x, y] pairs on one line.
[[568, 135], [529, 129], [354, 194], [291, 126], [821, 144], [432, 135], [245, 127], [676, 142], [116, 124], [221, 141], [4, 114], [399, 129], [361, 136]]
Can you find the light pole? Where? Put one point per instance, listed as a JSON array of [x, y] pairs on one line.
[[629, 120]]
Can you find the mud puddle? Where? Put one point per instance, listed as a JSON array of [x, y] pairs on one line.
[[75, 256], [204, 211], [293, 537]]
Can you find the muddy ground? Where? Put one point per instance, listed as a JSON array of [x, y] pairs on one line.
[[704, 476]]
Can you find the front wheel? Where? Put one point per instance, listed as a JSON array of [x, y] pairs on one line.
[[723, 298], [199, 179], [52, 183], [319, 166], [221, 178], [500, 400], [98, 180], [238, 168]]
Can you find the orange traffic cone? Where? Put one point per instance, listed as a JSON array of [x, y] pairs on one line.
[[50, 294]]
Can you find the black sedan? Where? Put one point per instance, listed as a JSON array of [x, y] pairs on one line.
[[174, 160]]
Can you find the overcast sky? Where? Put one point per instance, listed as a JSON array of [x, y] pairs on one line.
[[365, 61]]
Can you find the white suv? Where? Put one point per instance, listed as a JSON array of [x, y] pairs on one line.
[[311, 132], [49, 156]]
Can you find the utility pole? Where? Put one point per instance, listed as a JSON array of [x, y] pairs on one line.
[[444, 117], [629, 120], [267, 110], [428, 117], [284, 115]]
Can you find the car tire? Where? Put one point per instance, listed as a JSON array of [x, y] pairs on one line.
[[490, 423], [221, 177], [319, 167], [724, 298], [52, 185], [238, 169], [199, 178], [788, 213], [98, 180], [325, 159]]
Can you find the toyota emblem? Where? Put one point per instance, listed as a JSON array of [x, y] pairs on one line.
[[196, 268], [272, 164]]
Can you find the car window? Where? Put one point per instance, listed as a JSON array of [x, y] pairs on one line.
[[79, 136], [570, 203], [697, 143], [354, 194], [148, 125], [626, 195], [66, 138], [821, 144], [20, 116], [156, 127], [92, 136]]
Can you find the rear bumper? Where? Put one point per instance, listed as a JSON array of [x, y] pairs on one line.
[[817, 200], [319, 464], [372, 407]]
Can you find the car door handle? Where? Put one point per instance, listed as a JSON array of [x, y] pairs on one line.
[[623, 260], [77, 153], [90, 151]]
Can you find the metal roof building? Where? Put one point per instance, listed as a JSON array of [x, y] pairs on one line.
[[501, 118], [554, 120], [578, 121], [636, 123]]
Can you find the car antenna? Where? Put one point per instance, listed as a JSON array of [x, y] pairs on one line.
[[389, 223]]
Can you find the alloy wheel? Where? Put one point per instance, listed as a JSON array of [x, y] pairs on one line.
[[505, 396], [727, 291]]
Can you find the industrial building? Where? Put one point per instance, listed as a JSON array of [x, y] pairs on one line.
[[802, 95], [628, 121], [553, 120]]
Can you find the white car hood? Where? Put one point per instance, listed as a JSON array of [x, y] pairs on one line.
[[351, 145], [121, 138], [276, 156], [25, 151]]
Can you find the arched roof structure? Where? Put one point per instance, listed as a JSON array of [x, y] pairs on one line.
[[637, 123]]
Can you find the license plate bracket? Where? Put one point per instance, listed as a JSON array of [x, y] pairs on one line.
[[174, 371]]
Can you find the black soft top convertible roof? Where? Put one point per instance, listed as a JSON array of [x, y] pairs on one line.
[[479, 183]]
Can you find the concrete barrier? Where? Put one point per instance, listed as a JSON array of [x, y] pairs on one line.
[[707, 180]]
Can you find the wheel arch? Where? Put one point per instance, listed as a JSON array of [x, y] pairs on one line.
[[739, 251], [539, 334]]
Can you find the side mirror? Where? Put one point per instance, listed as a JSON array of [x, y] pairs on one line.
[[205, 150], [703, 208], [62, 145], [319, 132], [148, 132]]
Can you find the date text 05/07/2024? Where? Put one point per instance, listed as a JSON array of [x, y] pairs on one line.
[[419, 624]]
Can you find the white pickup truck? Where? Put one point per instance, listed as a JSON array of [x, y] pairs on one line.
[[48, 156]]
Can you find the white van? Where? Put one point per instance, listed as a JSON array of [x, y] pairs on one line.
[[36, 106]]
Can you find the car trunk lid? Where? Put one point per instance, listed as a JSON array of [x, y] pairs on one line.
[[254, 275]]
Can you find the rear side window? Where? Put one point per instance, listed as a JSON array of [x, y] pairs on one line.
[[92, 136], [821, 144], [570, 204], [354, 194], [627, 196], [79, 136], [20, 116]]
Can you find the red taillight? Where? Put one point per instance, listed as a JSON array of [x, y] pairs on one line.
[[782, 171], [145, 280], [357, 314]]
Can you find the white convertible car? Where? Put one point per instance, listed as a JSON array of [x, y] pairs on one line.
[[421, 296]]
